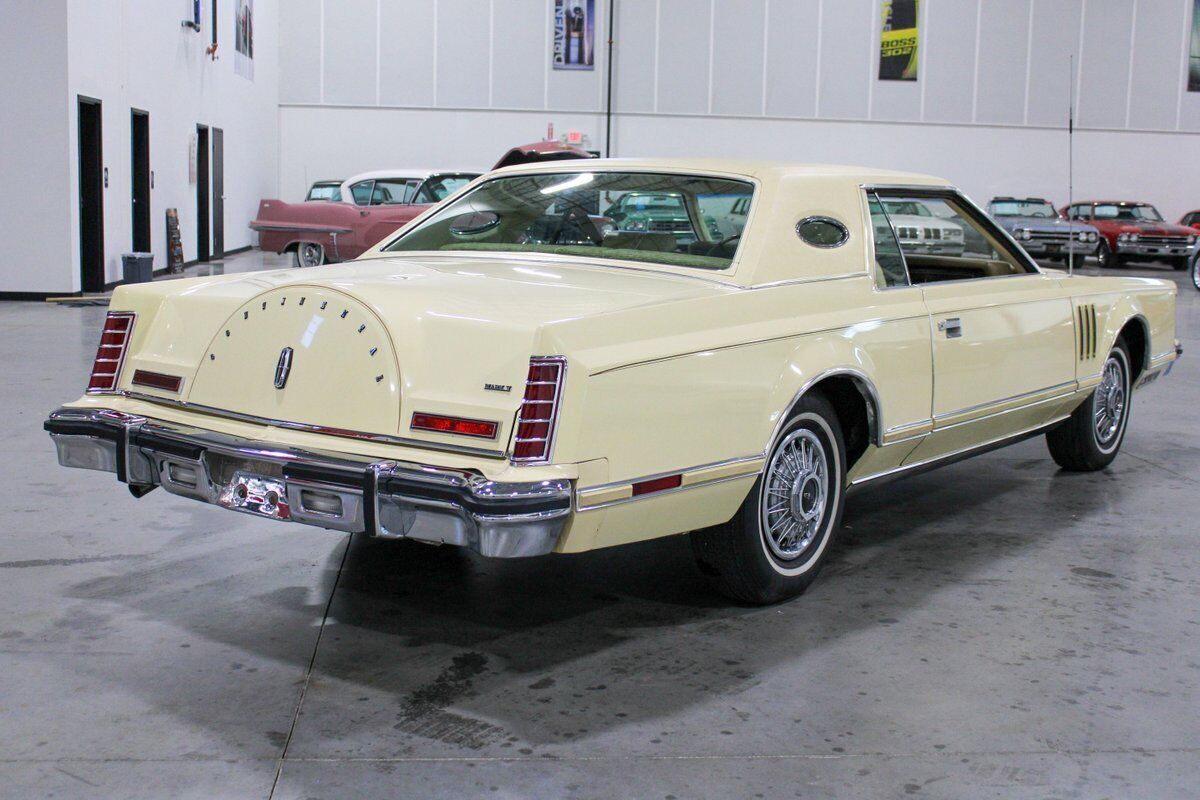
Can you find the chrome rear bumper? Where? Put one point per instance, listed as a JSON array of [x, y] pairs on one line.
[[389, 499]]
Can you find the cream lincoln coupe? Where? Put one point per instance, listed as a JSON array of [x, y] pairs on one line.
[[512, 373]]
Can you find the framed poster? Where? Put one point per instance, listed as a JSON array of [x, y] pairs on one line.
[[574, 34], [243, 39], [898, 41], [1194, 51]]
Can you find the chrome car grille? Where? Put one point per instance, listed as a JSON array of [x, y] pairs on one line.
[[1165, 241], [1052, 237], [670, 225]]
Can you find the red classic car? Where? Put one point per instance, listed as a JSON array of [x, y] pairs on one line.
[[1130, 230], [1191, 219], [354, 215]]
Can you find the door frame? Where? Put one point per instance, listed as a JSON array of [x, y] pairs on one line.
[[203, 232], [91, 216], [217, 209], [140, 182]]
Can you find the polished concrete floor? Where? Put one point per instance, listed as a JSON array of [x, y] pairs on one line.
[[996, 629]]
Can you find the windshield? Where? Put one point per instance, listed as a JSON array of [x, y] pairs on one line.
[[907, 209], [1023, 208], [630, 216], [1127, 211], [322, 191]]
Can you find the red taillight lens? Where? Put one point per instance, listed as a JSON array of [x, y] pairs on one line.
[[465, 427], [156, 380], [110, 355], [538, 416]]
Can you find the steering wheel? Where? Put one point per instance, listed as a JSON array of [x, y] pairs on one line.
[[586, 226], [733, 237]]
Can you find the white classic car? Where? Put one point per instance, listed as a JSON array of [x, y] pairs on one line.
[[468, 383], [920, 231]]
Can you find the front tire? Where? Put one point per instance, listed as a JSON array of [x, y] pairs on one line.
[[1107, 258], [1196, 272], [777, 541], [308, 254], [1091, 437], [1179, 264]]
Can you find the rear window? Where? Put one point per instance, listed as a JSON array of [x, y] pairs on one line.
[[675, 220]]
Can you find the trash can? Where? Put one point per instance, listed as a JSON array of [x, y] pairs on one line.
[[138, 267]]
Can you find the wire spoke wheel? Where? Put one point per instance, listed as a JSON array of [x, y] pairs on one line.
[[796, 494], [1108, 402]]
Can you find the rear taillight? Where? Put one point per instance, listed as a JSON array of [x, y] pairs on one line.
[[538, 416], [110, 355]]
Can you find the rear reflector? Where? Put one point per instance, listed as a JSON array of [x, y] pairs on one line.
[[110, 355], [657, 485], [538, 417], [157, 380], [483, 429]]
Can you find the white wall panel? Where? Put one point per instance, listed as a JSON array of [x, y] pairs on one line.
[[463, 41], [1029, 160], [1157, 56], [300, 60], [683, 51], [1003, 61], [1055, 40], [406, 53], [849, 33], [634, 61], [519, 66], [1104, 65], [793, 41], [738, 56], [350, 56], [950, 63]]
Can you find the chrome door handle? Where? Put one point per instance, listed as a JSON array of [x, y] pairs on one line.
[[951, 327]]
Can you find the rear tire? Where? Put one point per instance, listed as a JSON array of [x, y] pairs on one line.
[[777, 541], [1091, 437], [308, 254], [1196, 271]]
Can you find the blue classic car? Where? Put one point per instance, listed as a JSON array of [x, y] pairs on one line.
[[1036, 225]]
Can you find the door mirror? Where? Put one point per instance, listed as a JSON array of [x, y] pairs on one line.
[[474, 223]]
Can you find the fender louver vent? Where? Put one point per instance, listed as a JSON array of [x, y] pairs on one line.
[[1085, 323]]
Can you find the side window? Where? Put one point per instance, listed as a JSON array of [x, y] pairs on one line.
[[361, 192], [888, 256], [943, 238]]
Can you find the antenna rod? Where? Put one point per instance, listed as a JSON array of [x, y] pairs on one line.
[[1071, 169], [612, 4]]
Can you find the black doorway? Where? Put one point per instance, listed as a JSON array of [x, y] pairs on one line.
[[139, 145], [203, 253], [218, 193], [91, 197]]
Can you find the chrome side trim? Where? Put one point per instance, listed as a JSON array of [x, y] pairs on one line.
[[815, 279], [1073, 385], [999, 441], [1056, 398], [753, 467], [308, 428]]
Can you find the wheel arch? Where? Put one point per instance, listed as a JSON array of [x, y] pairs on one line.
[[1135, 331], [855, 400]]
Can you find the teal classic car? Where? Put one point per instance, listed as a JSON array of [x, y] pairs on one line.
[[659, 212]]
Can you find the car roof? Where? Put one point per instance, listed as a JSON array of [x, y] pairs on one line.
[[734, 167], [1111, 203], [406, 173]]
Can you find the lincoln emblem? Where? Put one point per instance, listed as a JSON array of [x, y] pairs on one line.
[[283, 367]]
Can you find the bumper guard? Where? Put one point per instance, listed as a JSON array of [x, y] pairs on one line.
[[387, 499]]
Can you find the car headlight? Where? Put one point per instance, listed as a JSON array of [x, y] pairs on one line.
[[1133, 237], [1124, 237], [1091, 237], [635, 225], [1191, 240], [1026, 234]]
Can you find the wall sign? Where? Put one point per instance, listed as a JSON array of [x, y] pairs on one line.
[[898, 41], [574, 34], [243, 39]]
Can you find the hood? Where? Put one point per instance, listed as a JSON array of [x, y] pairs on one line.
[[371, 342], [1041, 223], [1146, 227]]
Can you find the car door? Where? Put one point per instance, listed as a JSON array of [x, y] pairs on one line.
[[1003, 334]]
